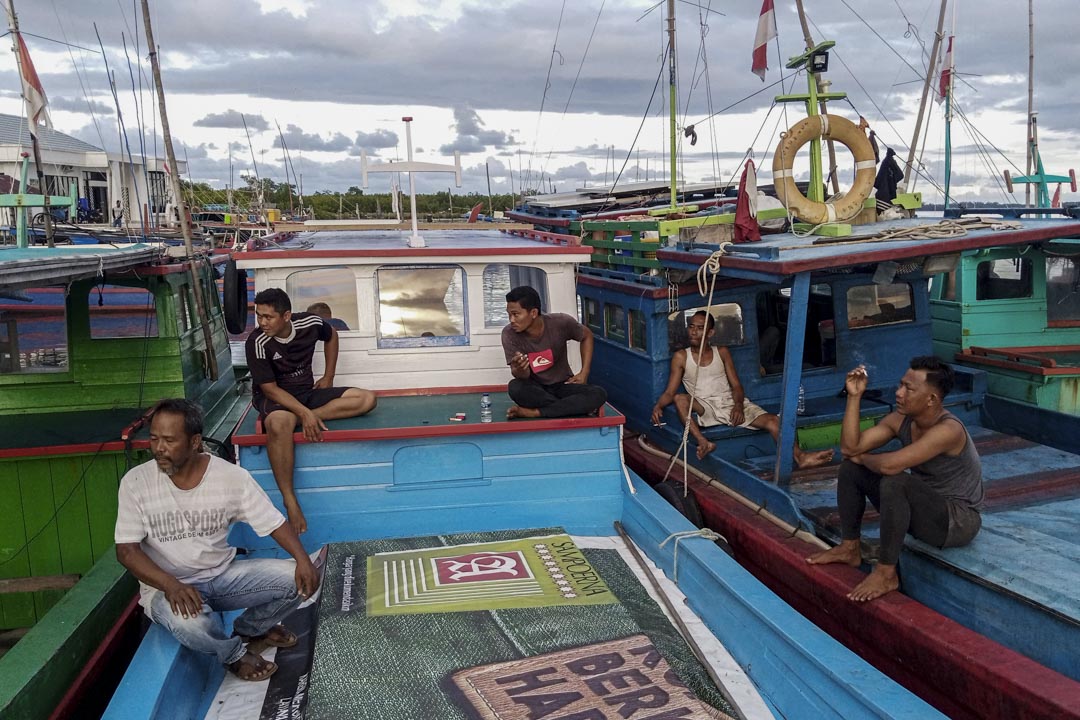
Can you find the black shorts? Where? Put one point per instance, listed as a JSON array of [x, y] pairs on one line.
[[314, 398]]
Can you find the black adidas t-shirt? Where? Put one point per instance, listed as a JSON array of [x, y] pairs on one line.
[[287, 362]]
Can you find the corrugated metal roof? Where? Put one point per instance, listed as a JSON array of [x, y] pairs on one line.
[[15, 131]]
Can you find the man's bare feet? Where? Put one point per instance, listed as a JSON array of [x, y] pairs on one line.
[[847, 552], [704, 448], [296, 515], [816, 458], [516, 411], [880, 581]]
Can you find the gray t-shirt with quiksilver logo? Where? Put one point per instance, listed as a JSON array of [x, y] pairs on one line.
[[547, 353]]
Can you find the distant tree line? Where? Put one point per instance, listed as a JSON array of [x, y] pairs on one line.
[[327, 204]]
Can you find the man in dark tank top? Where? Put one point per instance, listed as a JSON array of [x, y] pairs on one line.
[[931, 487]]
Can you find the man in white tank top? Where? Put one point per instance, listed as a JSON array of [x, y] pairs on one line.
[[709, 374]]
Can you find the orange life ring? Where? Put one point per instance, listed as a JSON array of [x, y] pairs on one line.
[[828, 127]]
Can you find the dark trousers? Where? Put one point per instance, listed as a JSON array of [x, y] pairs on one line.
[[906, 505], [558, 400]]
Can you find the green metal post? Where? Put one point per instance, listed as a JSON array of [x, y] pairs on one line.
[[20, 212]]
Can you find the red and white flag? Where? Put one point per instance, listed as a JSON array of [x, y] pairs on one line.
[[33, 93], [766, 31], [946, 71]]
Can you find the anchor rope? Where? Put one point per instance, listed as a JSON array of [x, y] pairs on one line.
[[704, 533]]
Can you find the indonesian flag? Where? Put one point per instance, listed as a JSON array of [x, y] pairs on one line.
[[766, 31], [1056, 202], [946, 72], [33, 93], [165, 166]]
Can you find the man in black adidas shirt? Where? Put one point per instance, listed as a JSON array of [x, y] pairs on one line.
[[285, 391]]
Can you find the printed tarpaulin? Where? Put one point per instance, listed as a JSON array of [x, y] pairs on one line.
[[400, 663], [531, 572]]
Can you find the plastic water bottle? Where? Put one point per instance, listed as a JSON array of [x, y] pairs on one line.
[[800, 406], [485, 408]]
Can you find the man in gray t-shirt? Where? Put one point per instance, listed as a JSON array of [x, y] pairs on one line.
[[535, 348], [173, 518]]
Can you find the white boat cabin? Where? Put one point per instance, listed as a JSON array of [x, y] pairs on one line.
[[428, 317]]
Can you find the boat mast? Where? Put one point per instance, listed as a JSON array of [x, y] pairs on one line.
[[823, 88], [13, 24], [909, 174], [951, 53], [672, 99], [185, 226], [1031, 140]]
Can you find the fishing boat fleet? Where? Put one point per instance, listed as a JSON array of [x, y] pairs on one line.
[[478, 564]]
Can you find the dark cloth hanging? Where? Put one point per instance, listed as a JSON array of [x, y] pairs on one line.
[[746, 224], [888, 177]]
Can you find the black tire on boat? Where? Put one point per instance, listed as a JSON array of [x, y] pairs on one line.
[[234, 295], [672, 491]]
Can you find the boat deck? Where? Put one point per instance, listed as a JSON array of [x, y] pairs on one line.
[[1027, 551], [66, 432], [785, 254]]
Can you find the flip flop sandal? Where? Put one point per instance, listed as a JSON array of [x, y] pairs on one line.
[[252, 670], [278, 636]]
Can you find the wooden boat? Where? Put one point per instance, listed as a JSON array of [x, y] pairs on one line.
[[409, 470], [75, 380], [837, 303]]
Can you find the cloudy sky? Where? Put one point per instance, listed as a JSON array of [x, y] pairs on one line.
[[549, 89]]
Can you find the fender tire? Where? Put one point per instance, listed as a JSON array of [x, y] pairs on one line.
[[672, 492]]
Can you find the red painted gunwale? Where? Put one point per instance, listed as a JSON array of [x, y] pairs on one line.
[[958, 671]]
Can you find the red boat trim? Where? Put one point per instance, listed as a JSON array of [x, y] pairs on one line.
[[791, 267], [579, 250], [104, 656], [424, 431], [73, 449]]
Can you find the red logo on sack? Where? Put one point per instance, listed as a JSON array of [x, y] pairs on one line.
[[481, 566], [541, 361]]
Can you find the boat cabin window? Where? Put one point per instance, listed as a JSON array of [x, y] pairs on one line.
[[638, 336], [1003, 279], [615, 323], [727, 318], [117, 311], [1062, 292], [329, 292], [872, 305], [590, 315], [499, 279], [421, 306], [819, 340], [33, 332]]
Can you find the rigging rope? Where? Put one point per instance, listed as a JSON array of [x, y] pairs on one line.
[[547, 86], [706, 280]]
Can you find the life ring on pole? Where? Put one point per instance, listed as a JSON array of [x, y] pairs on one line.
[[235, 296], [828, 127]]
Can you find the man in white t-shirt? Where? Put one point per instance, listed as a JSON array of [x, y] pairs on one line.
[[172, 521]]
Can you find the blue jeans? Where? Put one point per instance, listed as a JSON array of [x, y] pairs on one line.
[[265, 587]]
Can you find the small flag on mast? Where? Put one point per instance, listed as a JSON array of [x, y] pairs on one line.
[[766, 31], [1056, 202], [946, 71], [33, 93]]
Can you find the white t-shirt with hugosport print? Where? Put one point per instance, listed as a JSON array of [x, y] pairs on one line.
[[184, 531]]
